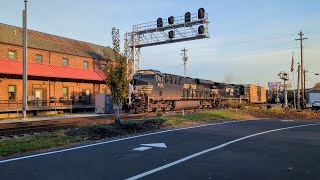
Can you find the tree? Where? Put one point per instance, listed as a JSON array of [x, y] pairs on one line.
[[317, 85], [116, 74]]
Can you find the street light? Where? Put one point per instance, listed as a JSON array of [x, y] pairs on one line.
[[25, 60]]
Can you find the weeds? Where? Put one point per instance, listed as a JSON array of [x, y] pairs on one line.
[[16, 145]]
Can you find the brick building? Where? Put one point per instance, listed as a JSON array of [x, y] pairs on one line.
[[62, 72]]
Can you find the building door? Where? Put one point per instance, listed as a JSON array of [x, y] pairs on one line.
[[38, 96]]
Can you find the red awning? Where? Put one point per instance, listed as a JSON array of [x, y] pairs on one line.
[[48, 70]]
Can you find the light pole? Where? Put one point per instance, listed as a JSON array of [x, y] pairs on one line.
[[25, 60]]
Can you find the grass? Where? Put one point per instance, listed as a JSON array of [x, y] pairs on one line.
[[16, 145], [206, 116], [278, 112]]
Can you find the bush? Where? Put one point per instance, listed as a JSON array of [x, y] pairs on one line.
[[159, 114], [103, 130], [125, 127], [155, 121], [131, 125]]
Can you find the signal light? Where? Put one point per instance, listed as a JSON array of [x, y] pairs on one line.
[[187, 17], [201, 13], [171, 20], [159, 22], [201, 30], [171, 34]]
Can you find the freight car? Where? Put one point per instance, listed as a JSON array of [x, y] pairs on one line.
[[256, 94], [156, 91]]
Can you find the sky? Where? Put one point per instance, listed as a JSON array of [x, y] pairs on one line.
[[250, 42]]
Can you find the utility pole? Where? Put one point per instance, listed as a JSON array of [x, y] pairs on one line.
[[304, 79], [298, 88], [294, 91], [184, 59], [302, 67], [25, 60]]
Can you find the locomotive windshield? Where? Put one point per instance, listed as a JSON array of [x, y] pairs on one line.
[[144, 76]]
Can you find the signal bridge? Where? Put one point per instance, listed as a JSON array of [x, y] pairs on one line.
[[164, 31]]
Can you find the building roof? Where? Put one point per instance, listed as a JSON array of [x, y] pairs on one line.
[[38, 40], [312, 90], [14, 67]]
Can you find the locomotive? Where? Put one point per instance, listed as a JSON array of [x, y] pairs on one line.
[[156, 91]]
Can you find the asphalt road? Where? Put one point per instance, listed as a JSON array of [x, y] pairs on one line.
[[263, 149]]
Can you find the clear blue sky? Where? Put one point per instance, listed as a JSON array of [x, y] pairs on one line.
[[251, 41]]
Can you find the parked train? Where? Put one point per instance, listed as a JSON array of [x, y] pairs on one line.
[[156, 91]]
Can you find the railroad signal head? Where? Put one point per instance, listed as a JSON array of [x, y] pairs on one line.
[[171, 20], [159, 22], [187, 17], [201, 30], [171, 34], [201, 13]]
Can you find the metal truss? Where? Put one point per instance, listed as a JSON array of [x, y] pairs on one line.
[[148, 34]]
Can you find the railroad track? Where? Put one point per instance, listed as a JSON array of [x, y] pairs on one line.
[[50, 125]]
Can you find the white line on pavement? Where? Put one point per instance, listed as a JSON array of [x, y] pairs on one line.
[[142, 148], [287, 120], [213, 149], [116, 140]]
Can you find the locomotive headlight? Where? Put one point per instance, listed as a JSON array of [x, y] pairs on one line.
[[160, 85]]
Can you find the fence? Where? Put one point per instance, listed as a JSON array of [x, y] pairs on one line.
[[51, 104]]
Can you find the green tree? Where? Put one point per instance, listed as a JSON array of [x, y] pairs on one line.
[[116, 74]]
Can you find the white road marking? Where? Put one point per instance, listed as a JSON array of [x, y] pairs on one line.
[[159, 145], [287, 120], [112, 141], [142, 148], [213, 149], [149, 146]]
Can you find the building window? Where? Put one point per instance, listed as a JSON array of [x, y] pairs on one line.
[[86, 94], [12, 55], [85, 64], [103, 66], [65, 62], [12, 92], [39, 58], [65, 92]]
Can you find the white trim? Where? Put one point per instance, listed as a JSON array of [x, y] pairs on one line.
[[112, 141], [213, 149]]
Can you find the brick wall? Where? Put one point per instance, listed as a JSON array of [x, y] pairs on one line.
[[50, 57], [74, 61]]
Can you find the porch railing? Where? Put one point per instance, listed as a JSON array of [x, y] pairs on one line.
[[51, 104]]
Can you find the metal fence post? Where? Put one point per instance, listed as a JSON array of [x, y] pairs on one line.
[[17, 107], [71, 107]]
